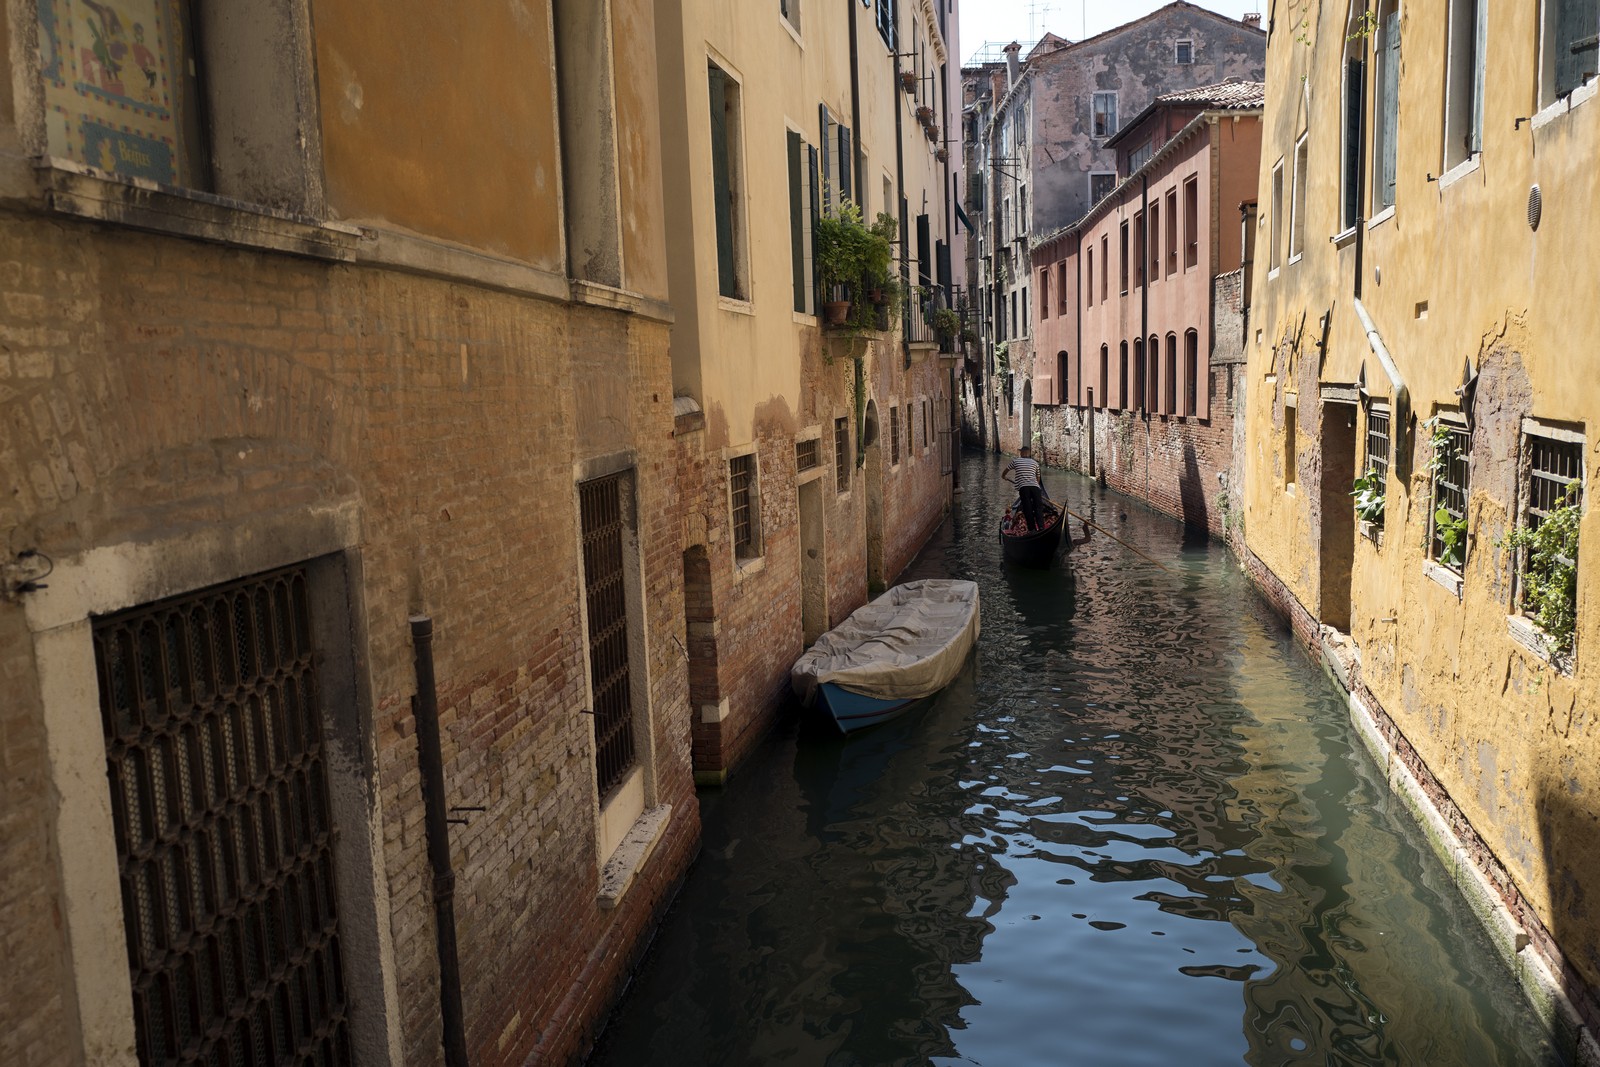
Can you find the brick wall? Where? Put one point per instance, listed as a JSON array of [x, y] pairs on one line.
[[162, 386]]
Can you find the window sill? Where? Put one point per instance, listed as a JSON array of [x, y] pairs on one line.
[[89, 193], [632, 854], [1460, 170], [1531, 638], [1372, 531], [1448, 579], [1297, 257], [748, 565], [804, 318], [794, 31], [1344, 237], [1380, 218], [1550, 112], [736, 306]]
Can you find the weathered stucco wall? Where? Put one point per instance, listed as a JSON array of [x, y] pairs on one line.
[[1454, 274]]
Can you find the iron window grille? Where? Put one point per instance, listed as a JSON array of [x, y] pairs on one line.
[[894, 435], [741, 485], [601, 506], [841, 454], [224, 833], [1378, 448], [1451, 489], [805, 455], [1553, 468]]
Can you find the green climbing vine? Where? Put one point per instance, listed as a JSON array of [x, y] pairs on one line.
[[1550, 569]]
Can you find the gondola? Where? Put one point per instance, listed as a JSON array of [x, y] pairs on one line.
[[1032, 548]]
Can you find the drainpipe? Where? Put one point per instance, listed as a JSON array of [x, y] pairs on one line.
[[425, 711], [899, 170], [1144, 311], [1077, 317]]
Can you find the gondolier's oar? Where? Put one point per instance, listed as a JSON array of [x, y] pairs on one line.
[[1113, 537]]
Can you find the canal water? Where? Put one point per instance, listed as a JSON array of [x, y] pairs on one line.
[[1138, 830]]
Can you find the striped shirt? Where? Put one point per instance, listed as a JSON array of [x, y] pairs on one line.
[[1026, 469]]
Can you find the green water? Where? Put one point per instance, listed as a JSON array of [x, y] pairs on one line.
[[1138, 830]]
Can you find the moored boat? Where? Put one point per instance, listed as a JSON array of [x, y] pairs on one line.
[[1032, 548], [902, 647]]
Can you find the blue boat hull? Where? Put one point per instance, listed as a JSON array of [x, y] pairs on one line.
[[852, 711]]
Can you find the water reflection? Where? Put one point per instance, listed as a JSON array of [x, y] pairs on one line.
[[1137, 831]]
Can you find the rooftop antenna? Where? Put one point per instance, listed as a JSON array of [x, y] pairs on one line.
[[1035, 9]]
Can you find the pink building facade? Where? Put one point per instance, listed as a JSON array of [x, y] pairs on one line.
[[1140, 314]]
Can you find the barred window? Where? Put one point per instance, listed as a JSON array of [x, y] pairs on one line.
[[805, 455], [894, 435], [1378, 448], [1448, 523], [1552, 478], [841, 454], [746, 521], [224, 833], [603, 512]]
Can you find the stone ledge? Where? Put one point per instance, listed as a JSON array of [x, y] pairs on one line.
[[632, 854]]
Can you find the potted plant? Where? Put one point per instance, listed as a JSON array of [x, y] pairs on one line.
[[932, 129], [908, 80], [853, 262], [947, 323], [941, 153], [924, 114]]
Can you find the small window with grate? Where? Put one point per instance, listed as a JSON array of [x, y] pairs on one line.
[[894, 435], [805, 455], [1450, 467], [841, 454], [224, 834], [1377, 465], [745, 498], [1183, 52]]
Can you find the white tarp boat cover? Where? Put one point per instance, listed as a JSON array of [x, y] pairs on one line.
[[908, 643]]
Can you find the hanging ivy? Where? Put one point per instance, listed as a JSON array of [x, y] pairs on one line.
[[1550, 570]]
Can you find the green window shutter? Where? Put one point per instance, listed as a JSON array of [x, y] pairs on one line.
[[1576, 43], [1355, 87], [797, 220], [816, 212], [721, 184], [826, 141], [846, 164], [1391, 107], [1480, 48]]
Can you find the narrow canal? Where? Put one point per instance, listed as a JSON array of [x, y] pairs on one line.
[[1139, 830]]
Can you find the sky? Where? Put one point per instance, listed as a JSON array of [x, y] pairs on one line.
[[1007, 20]]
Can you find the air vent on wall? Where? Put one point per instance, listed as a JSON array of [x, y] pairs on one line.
[[1535, 207]]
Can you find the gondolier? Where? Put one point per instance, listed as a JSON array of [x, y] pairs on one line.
[[1023, 472]]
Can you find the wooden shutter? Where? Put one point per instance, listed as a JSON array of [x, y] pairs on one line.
[[846, 164], [1355, 87], [826, 141], [816, 213], [797, 219], [1576, 44], [1480, 49], [1391, 105], [924, 252]]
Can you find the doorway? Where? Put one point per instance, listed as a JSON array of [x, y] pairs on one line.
[[1338, 532], [874, 470], [813, 563]]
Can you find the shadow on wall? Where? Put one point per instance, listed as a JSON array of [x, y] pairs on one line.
[[1192, 498], [1569, 823]]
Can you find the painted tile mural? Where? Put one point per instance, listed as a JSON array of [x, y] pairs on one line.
[[113, 84]]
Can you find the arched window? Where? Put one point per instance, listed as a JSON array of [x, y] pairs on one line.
[[1152, 353], [1138, 374], [1171, 407], [1105, 372], [1191, 373], [1122, 377]]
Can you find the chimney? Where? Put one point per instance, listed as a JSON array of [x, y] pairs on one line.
[[1253, 20], [1013, 65]]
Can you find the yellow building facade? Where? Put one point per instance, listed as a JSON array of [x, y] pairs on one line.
[[1419, 390]]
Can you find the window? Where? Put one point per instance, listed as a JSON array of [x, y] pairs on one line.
[[1101, 184], [1015, 325], [1447, 539], [1191, 222], [1044, 293], [1088, 290], [1463, 104], [1061, 287], [1567, 47], [1122, 377], [1138, 249], [604, 508], [727, 182], [1105, 373], [1140, 156], [1026, 322], [1103, 115], [1355, 92], [224, 829], [1297, 205], [790, 10], [745, 497], [1122, 262], [1386, 115], [1171, 406], [1154, 246], [1105, 267], [1153, 355], [1138, 375], [1275, 253], [1063, 394], [1191, 373], [894, 435], [837, 162], [1378, 450], [841, 454], [806, 455], [886, 22], [1552, 477], [1172, 231], [1183, 52], [1291, 433], [802, 210]]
